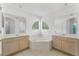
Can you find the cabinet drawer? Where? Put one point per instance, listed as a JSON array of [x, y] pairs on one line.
[[72, 39]]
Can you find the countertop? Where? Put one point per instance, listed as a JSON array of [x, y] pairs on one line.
[[11, 36], [68, 35], [62, 35]]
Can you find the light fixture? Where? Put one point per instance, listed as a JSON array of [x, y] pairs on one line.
[[65, 4], [20, 6]]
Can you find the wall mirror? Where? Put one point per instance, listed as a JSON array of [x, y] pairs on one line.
[[21, 25], [72, 26], [14, 24], [9, 25]]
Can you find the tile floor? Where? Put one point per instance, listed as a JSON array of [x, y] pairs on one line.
[[29, 52]]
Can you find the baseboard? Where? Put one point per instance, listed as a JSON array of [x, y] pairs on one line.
[[16, 52], [63, 51]]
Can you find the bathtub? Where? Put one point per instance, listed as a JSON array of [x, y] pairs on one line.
[[41, 38], [40, 43]]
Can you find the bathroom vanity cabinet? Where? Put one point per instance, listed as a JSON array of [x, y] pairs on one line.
[[15, 44], [23, 42], [66, 44], [10, 46], [0, 47], [56, 42]]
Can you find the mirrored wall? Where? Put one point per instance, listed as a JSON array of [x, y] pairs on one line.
[[72, 26], [14, 24], [21, 25], [9, 25]]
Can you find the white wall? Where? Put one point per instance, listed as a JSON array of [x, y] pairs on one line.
[[0, 30], [30, 21], [55, 20], [29, 17], [0, 18], [77, 13]]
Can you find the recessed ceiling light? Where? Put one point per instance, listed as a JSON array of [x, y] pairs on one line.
[[65, 4], [20, 6]]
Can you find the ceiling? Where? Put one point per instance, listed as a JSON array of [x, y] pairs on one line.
[[39, 9], [42, 9]]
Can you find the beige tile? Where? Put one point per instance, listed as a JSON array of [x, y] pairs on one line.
[[28, 52]]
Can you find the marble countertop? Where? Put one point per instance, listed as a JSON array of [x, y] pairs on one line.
[[62, 35], [68, 35], [11, 36]]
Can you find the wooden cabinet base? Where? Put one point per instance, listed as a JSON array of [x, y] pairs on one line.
[[12, 54], [63, 51], [10, 47], [66, 44], [13, 45]]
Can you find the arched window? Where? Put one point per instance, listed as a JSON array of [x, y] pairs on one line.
[[35, 26], [44, 26]]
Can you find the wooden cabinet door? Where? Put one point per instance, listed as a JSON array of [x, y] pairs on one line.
[[69, 46], [64, 45], [0, 47], [23, 43], [53, 41], [10, 47], [72, 47], [57, 43]]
